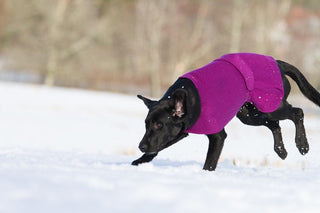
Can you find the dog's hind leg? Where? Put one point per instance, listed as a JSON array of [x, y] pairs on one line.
[[250, 115], [216, 142], [286, 111]]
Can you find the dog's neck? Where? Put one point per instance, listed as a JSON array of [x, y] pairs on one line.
[[193, 107]]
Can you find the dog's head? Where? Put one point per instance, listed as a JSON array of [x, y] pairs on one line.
[[164, 123]]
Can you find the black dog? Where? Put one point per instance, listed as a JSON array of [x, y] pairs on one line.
[[168, 119]]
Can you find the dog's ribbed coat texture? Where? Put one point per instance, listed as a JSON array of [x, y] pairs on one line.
[[225, 84]]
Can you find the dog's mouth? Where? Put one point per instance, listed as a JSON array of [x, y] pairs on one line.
[[155, 149], [172, 141]]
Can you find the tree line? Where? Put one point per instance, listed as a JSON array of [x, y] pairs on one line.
[[130, 45]]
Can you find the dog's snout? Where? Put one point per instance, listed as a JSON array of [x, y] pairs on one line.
[[143, 147]]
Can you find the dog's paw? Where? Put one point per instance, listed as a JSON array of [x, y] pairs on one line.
[[281, 151], [302, 144], [136, 162], [145, 158], [209, 167], [303, 149]]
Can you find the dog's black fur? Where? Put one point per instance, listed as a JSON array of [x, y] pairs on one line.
[[180, 108]]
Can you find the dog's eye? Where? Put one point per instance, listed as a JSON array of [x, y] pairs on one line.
[[158, 125]]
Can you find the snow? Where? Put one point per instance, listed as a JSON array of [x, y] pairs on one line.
[[68, 150]]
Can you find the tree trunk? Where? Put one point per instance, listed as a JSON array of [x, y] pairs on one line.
[[261, 26], [53, 39], [149, 35], [236, 26]]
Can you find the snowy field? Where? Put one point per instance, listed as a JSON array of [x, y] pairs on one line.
[[67, 150]]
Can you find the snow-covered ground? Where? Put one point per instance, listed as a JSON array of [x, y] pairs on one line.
[[67, 150]]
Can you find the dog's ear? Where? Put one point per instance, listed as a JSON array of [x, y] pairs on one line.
[[146, 101], [179, 97]]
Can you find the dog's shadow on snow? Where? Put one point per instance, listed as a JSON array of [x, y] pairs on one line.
[[171, 163], [162, 163]]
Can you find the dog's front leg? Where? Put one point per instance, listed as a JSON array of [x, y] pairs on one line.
[[145, 158], [216, 142]]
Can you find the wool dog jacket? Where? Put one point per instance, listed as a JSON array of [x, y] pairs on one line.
[[225, 84]]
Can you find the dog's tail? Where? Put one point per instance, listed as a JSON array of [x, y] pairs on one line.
[[305, 87]]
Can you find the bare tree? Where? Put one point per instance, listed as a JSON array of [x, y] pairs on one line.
[[62, 48], [191, 46], [54, 37], [261, 28], [236, 25], [3, 15], [151, 19], [168, 44]]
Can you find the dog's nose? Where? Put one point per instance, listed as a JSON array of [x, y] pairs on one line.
[[143, 147]]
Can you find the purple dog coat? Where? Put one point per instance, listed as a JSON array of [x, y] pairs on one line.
[[225, 84]]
